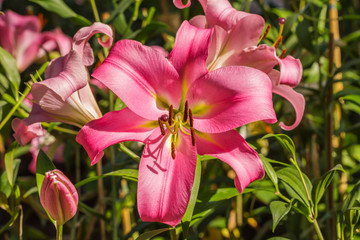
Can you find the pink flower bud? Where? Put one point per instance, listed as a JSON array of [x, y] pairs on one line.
[[58, 196]]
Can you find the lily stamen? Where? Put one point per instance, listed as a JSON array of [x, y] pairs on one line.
[[161, 126], [192, 136], [186, 111], [191, 118], [173, 154], [265, 33], [282, 55], [171, 111], [279, 37]]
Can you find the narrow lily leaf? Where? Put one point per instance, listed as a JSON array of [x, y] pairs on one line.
[[185, 222], [279, 210], [4, 202], [148, 31], [5, 186], [219, 194], [293, 184], [8, 63], [153, 233], [130, 174], [352, 198], [60, 8], [9, 163], [119, 9], [323, 184], [269, 170], [285, 141], [43, 164]]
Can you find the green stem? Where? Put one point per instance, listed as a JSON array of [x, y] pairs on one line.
[[95, 11], [8, 116], [173, 234], [133, 18], [317, 229], [60, 129], [129, 152], [302, 179], [59, 232]]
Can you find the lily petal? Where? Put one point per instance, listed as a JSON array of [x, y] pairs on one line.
[[296, 99], [112, 128], [72, 77], [164, 186], [231, 148], [190, 52], [220, 12], [230, 97], [81, 38], [142, 77], [179, 4], [264, 58], [24, 133]]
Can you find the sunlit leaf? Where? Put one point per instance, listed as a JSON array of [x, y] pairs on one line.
[[153, 233], [285, 141], [8, 63], [43, 165], [279, 210], [269, 170]]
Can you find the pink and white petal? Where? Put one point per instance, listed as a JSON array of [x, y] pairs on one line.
[[27, 48], [296, 99], [244, 34], [262, 57], [114, 127], [179, 4], [143, 79], [24, 133], [220, 12], [56, 66], [72, 77], [198, 21], [232, 149], [290, 71], [84, 34], [55, 40], [230, 97], [37, 114], [190, 52], [161, 50], [88, 101], [164, 186]]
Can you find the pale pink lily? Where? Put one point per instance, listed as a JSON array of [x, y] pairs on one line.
[[21, 36], [65, 94], [178, 109], [234, 43]]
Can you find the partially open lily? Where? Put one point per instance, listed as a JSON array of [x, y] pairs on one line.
[[178, 109], [65, 94], [234, 43], [22, 37]]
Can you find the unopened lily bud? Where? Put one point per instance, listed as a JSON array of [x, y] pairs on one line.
[[58, 196]]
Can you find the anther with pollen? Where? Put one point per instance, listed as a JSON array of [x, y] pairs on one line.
[[171, 111], [191, 118], [192, 131], [277, 42], [266, 32], [282, 55], [279, 37], [173, 155], [186, 111]]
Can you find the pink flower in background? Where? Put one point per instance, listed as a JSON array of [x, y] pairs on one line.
[[59, 197], [65, 94], [25, 133], [21, 36], [178, 109], [234, 43]]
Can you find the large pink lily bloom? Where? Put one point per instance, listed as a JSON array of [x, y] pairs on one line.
[[65, 95], [234, 43], [21, 36], [203, 108]]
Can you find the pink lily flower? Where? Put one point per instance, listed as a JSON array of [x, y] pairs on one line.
[[234, 43], [25, 133], [21, 36], [65, 94], [178, 109]]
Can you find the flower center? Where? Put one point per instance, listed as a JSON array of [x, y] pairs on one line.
[[175, 121]]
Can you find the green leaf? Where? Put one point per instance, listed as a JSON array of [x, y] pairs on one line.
[[269, 170], [185, 222], [60, 8], [119, 9], [352, 198], [43, 165], [9, 160], [130, 174], [353, 36], [4, 202], [285, 141], [148, 31], [279, 210], [8, 63], [293, 184], [324, 182], [153, 233], [218, 194], [5, 185]]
